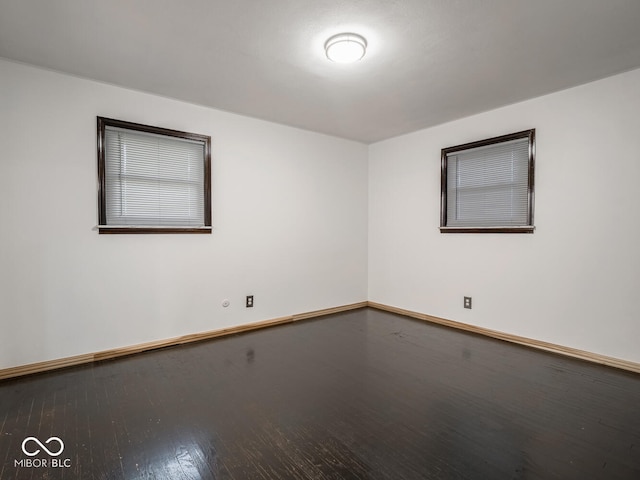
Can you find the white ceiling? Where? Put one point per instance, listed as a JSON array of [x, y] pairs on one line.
[[429, 61]]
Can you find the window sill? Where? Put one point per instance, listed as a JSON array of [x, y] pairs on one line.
[[524, 229], [111, 229]]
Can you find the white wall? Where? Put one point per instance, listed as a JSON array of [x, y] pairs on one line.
[[576, 280], [289, 224]]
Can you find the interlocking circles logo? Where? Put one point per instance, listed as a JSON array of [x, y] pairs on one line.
[[53, 446]]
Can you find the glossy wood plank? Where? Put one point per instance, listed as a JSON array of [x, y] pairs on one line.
[[363, 394]]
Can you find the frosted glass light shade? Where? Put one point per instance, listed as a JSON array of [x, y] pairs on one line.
[[345, 48]]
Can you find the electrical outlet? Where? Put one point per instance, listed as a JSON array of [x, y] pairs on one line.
[[467, 302], [249, 301]]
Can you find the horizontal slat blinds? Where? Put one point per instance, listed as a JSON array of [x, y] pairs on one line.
[[488, 186], [153, 180]]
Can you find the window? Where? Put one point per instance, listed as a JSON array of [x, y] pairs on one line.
[[487, 186], [152, 180]]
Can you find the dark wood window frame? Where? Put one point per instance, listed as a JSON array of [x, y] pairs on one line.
[[529, 227], [103, 227]]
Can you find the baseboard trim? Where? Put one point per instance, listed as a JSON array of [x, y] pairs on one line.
[[41, 367], [527, 342]]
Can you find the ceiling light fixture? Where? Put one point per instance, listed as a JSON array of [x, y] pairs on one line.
[[345, 47]]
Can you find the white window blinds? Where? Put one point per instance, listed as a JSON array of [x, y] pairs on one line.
[[153, 180], [488, 186]]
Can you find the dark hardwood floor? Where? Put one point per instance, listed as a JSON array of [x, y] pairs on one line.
[[358, 395]]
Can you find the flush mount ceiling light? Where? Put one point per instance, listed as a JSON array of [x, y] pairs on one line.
[[345, 47]]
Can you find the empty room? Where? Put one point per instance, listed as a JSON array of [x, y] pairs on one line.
[[323, 240]]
